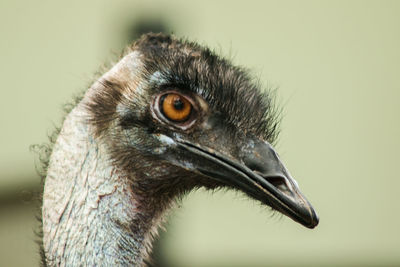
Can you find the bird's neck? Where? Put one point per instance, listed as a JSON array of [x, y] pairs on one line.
[[92, 212]]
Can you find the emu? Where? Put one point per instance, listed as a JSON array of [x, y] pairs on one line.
[[169, 117]]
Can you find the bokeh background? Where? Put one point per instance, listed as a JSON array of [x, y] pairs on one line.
[[337, 67]]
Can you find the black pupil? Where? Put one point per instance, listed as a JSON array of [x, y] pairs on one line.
[[178, 104]]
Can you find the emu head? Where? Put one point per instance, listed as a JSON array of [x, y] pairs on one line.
[[180, 117]]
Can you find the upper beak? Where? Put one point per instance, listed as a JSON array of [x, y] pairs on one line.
[[259, 173]]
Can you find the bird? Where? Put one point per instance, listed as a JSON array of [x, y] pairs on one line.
[[171, 116]]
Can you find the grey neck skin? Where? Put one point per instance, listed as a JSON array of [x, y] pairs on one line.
[[92, 212], [91, 216]]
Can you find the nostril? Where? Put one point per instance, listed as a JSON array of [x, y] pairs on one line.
[[270, 172], [280, 183]]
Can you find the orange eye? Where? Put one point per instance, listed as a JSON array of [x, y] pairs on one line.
[[175, 107]]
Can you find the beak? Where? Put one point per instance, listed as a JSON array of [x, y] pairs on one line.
[[259, 173]]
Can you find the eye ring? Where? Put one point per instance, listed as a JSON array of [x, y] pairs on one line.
[[182, 112]]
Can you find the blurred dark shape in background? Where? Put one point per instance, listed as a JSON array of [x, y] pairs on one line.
[[145, 25]]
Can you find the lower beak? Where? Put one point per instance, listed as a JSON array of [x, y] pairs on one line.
[[259, 173]]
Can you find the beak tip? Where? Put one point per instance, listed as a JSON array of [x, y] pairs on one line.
[[314, 221], [313, 225]]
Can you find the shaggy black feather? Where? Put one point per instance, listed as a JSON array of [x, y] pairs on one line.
[[228, 89]]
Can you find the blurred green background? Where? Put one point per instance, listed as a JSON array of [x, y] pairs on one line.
[[337, 66]]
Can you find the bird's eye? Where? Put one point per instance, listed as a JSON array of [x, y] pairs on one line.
[[175, 107]]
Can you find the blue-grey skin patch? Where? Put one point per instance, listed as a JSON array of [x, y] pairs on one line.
[[157, 78]]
